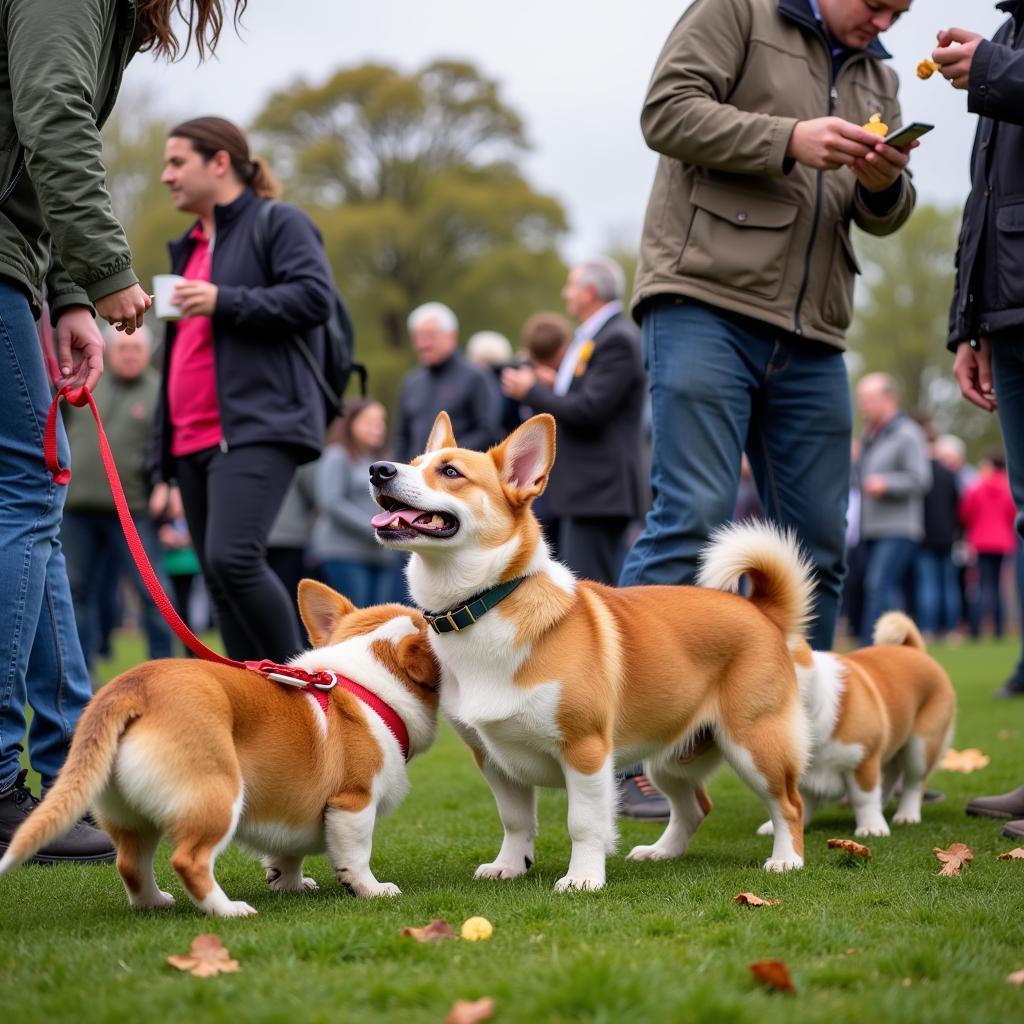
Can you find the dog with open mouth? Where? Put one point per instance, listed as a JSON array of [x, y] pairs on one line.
[[205, 753], [552, 680]]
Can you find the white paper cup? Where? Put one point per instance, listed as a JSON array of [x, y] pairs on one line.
[[163, 289]]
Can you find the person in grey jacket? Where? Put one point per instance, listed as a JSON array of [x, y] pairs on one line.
[[344, 544], [895, 474]]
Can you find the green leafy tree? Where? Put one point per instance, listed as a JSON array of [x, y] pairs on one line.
[[414, 182], [902, 317]]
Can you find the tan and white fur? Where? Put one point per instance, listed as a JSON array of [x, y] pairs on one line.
[[874, 715], [205, 753], [565, 678]]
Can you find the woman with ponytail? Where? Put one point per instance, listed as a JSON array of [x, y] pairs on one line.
[[240, 408], [61, 63]]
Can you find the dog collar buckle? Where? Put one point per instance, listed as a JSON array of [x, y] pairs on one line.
[[280, 677], [330, 684]]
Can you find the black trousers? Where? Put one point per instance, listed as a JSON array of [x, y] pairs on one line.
[[593, 547], [231, 500]]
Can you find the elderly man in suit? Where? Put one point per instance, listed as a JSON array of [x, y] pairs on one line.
[[597, 397]]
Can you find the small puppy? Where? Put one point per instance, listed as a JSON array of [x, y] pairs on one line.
[[874, 715], [551, 680], [206, 753]]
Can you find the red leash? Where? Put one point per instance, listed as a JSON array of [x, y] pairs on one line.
[[315, 683]]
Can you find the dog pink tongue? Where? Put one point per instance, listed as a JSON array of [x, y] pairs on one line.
[[384, 519]]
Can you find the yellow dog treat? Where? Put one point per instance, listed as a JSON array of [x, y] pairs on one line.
[[877, 126], [927, 68], [476, 928]]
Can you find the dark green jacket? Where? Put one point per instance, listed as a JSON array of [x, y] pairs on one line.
[[61, 63]]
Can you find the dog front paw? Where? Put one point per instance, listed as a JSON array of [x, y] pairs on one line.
[[157, 901], [793, 863], [906, 818], [381, 889], [653, 852], [876, 828], [578, 883], [501, 869], [233, 908]]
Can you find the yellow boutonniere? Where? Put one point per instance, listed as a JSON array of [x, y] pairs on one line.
[[586, 351]]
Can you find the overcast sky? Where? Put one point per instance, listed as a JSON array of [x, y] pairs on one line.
[[575, 70]]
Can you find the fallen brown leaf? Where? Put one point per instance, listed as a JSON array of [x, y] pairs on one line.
[[851, 847], [1017, 854], [748, 899], [965, 761], [437, 931], [773, 973], [1017, 978], [207, 958], [466, 1012], [953, 859]]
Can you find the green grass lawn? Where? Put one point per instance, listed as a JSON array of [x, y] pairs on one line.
[[879, 941]]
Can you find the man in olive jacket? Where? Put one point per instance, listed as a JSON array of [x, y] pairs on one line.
[[745, 284]]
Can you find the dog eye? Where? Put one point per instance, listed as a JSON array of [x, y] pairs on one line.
[[450, 471]]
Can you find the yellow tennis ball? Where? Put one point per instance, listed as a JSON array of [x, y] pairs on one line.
[[475, 928]]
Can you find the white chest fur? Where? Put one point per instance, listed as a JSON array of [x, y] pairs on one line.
[[517, 727]]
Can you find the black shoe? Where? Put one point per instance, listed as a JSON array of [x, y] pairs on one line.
[[1013, 687], [1005, 805], [1014, 829], [639, 799], [82, 845]]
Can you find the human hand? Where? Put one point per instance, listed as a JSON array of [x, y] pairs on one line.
[[955, 60], [125, 308], [874, 485], [828, 143], [79, 348], [546, 375], [517, 382], [195, 298], [973, 371], [880, 168], [159, 501]]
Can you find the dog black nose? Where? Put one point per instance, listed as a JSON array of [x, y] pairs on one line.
[[382, 473]]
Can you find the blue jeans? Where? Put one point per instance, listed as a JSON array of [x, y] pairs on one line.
[[888, 561], [95, 543], [41, 662], [936, 590], [363, 584], [721, 384]]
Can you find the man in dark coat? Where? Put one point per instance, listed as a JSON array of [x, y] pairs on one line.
[[597, 398], [986, 322]]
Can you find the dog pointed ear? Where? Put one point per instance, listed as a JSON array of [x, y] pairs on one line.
[[525, 458], [441, 435], [321, 609]]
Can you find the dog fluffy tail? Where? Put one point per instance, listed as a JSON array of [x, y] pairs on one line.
[[780, 575], [898, 629], [85, 773]]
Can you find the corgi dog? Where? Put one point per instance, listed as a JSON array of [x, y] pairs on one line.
[[874, 715], [552, 680], [206, 753]]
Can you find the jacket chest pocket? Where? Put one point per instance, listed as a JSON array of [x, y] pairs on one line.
[[740, 240]]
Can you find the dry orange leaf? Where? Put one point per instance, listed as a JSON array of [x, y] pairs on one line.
[[748, 899], [437, 931], [1017, 978], [469, 1012], [857, 849], [966, 761], [953, 859], [1017, 854], [207, 958], [773, 973]]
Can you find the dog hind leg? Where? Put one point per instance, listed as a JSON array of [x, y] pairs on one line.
[[915, 772], [284, 874], [136, 848], [864, 788], [689, 805]]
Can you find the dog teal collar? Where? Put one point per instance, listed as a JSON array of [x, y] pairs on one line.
[[457, 619]]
